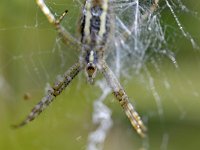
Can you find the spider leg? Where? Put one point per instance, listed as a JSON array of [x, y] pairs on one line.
[[56, 90], [66, 36], [123, 100]]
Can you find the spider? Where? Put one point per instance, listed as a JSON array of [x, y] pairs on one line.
[[95, 28]]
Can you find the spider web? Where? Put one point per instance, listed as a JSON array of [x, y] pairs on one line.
[[158, 71]]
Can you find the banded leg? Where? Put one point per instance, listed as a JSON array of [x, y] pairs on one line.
[[123, 100], [67, 37], [56, 90]]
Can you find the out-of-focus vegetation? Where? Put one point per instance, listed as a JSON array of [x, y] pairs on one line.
[[30, 58]]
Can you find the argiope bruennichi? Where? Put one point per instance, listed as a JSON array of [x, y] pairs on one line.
[[95, 28]]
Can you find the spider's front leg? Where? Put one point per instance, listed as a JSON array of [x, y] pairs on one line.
[[56, 89], [123, 100], [66, 36]]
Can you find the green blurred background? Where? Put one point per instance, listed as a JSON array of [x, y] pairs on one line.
[[31, 57]]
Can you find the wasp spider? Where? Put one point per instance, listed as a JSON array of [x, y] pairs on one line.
[[95, 28]]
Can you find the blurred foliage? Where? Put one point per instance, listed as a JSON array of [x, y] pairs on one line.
[[30, 57]]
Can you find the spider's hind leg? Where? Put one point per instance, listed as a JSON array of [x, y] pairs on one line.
[[123, 100], [130, 112], [56, 90]]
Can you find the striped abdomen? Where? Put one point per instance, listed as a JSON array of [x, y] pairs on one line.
[[95, 23]]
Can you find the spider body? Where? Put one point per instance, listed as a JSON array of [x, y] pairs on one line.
[[95, 27]]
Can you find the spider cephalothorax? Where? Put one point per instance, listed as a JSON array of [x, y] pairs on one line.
[[91, 66]]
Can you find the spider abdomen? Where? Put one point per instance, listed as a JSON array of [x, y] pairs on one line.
[[95, 23]]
